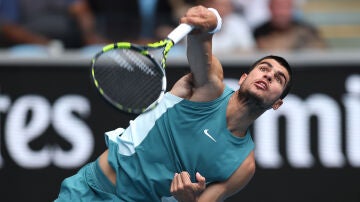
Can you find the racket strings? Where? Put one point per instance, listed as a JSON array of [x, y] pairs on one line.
[[131, 55], [128, 77]]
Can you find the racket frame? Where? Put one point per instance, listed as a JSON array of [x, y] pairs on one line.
[[145, 51], [174, 37]]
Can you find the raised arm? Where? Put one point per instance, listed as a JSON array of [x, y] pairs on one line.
[[207, 73]]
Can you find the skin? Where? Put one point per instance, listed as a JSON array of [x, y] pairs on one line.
[[281, 13], [260, 90], [285, 34]]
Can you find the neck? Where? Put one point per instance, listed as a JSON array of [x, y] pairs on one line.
[[242, 111]]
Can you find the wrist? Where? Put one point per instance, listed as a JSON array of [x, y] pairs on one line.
[[219, 21]]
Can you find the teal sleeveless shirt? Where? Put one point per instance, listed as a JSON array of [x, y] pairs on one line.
[[178, 135]]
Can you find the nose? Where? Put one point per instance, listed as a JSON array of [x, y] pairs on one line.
[[268, 77]]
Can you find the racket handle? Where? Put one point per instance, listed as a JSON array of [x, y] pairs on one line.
[[180, 32]]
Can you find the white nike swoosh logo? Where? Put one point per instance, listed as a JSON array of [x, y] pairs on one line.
[[206, 132]]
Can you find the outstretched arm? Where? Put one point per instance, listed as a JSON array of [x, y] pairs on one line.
[[206, 70]]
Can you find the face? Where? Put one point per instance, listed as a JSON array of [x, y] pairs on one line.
[[281, 12], [265, 83]]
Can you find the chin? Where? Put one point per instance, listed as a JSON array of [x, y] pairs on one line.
[[255, 98], [251, 95]]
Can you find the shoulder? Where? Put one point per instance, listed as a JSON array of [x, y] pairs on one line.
[[183, 87]]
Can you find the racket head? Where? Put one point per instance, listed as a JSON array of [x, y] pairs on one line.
[[129, 77]]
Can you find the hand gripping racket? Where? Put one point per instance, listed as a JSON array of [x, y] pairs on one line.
[[129, 77]]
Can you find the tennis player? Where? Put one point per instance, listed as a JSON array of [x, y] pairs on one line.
[[195, 145]]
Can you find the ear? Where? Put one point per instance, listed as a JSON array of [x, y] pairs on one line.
[[242, 78], [277, 104]]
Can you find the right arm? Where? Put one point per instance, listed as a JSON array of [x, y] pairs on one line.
[[207, 73]]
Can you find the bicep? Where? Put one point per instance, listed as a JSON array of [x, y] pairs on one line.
[[238, 180]]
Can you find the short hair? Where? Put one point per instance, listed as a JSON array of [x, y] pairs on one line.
[[283, 63]]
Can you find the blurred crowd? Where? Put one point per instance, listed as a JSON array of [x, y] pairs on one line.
[[257, 25]]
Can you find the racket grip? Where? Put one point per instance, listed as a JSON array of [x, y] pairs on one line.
[[180, 32]]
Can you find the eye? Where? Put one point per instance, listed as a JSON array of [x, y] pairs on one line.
[[279, 79], [262, 68]]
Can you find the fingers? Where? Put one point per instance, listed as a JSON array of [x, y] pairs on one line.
[[183, 182], [181, 187], [185, 178], [201, 181], [173, 184], [201, 18], [184, 190]]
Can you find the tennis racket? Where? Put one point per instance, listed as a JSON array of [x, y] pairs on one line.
[[129, 76]]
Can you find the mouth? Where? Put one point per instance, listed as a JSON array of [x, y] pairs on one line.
[[261, 85]]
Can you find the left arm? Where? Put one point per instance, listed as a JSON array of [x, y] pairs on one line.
[[184, 190], [237, 181]]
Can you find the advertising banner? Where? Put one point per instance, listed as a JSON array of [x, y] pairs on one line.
[[52, 122]]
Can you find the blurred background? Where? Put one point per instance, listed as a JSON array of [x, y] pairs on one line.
[[52, 120]]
